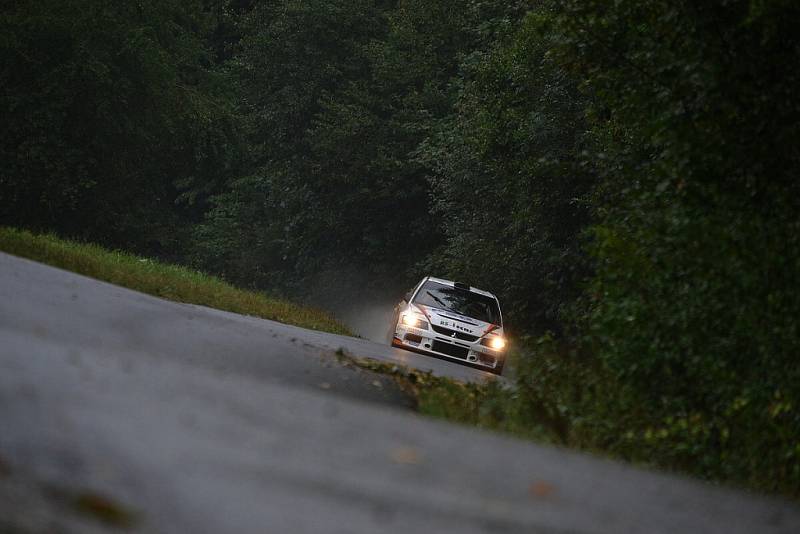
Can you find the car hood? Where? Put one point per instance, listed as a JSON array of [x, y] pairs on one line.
[[458, 322]]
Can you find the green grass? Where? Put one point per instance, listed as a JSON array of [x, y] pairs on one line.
[[489, 404], [572, 401], [162, 280]]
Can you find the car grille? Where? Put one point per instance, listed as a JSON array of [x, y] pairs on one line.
[[450, 350], [449, 333]]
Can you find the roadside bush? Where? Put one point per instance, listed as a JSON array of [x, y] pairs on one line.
[[693, 310]]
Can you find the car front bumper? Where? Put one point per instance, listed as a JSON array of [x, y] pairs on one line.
[[430, 342]]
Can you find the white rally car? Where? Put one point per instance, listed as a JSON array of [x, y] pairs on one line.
[[451, 320]]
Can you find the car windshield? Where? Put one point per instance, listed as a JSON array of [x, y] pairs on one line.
[[460, 301]]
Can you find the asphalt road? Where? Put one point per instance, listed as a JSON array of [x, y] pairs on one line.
[[124, 412]]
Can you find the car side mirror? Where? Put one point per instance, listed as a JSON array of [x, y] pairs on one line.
[[407, 297]]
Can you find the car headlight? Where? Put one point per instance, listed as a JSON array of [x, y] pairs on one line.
[[417, 321], [494, 342], [498, 343]]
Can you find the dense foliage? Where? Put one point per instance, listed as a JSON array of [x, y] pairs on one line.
[[507, 181], [110, 112], [693, 306], [622, 174]]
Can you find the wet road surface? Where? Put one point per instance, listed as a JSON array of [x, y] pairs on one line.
[[123, 411]]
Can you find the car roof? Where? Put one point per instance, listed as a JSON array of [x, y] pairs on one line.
[[451, 283]]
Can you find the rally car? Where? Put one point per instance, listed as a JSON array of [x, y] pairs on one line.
[[451, 320]]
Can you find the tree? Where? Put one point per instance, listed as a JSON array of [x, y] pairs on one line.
[[697, 242], [105, 107], [509, 187]]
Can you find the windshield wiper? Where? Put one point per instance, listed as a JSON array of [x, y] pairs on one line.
[[437, 299]]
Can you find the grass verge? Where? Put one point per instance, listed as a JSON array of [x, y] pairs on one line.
[[490, 405], [162, 280], [568, 399]]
